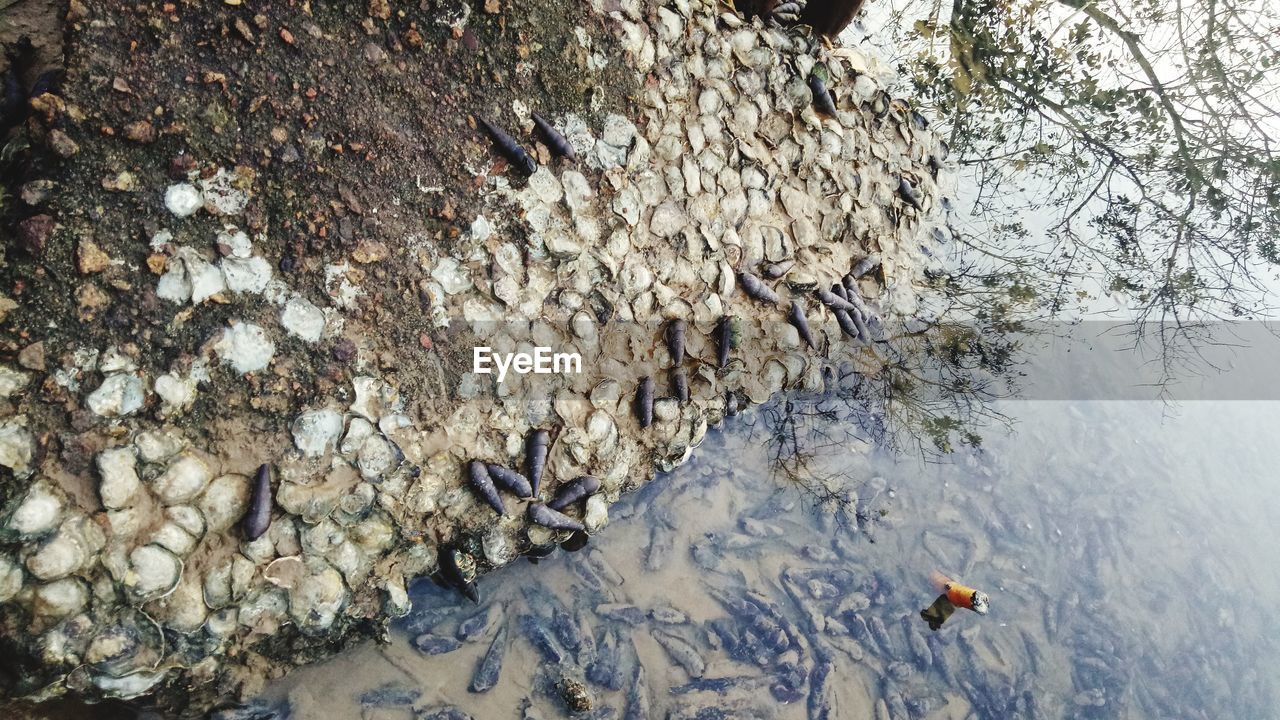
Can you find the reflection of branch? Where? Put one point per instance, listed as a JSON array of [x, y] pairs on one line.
[[934, 385], [1130, 40]]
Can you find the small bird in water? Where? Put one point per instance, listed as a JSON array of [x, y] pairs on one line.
[[953, 595]]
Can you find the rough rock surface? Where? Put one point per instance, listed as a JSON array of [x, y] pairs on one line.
[[305, 256]]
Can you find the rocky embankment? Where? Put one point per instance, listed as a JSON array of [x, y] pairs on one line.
[[273, 236]]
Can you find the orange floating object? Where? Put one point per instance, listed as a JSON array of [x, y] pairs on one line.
[[961, 595]]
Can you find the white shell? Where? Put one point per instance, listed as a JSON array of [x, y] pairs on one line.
[[59, 556], [302, 319], [224, 502], [184, 479], [117, 396], [316, 431], [118, 471], [316, 598], [154, 572], [60, 598], [10, 578], [158, 445], [183, 199], [245, 347], [39, 512]]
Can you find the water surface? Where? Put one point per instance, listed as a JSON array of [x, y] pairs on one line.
[[1125, 550]]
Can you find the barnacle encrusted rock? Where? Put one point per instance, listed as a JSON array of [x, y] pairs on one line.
[[350, 370]]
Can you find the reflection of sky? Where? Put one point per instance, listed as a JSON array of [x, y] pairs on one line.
[[1096, 360], [886, 27]]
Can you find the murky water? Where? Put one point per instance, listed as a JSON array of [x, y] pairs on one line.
[[1125, 553]]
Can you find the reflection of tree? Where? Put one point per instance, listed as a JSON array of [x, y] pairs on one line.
[[929, 389], [1141, 136], [801, 435]]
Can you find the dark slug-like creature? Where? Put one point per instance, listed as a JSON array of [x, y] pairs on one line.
[[785, 12], [509, 148], [490, 667], [833, 301], [535, 457], [644, 402], [865, 265], [845, 322], [822, 100], [573, 491], [724, 340], [864, 327], [480, 480], [851, 291], [756, 289], [798, 319], [258, 517], [511, 480], [909, 193], [773, 271], [847, 326], [548, 518], [680, 384], [838, 290], [556, 142], [675, 341]]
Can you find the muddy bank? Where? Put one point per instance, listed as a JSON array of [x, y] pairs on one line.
[[274, 236]]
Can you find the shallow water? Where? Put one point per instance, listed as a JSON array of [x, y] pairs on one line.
[[1124, 551]]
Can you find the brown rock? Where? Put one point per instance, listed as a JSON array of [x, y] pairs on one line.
[[48, 106], [157, 262], [369, 251], [493, 7], [412, 37], [6, 306], [123, 182], [91, 258], [286, 36], [142, 132], [37, 191], [380, 9], [34, 232], [32, 356], [374, 54], [180, 166], [92, 300], [242, 27], [62, 144]]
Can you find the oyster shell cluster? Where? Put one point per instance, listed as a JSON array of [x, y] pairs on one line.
[[728, 171]]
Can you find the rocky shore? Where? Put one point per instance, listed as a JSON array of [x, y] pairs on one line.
[[275, 235]]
